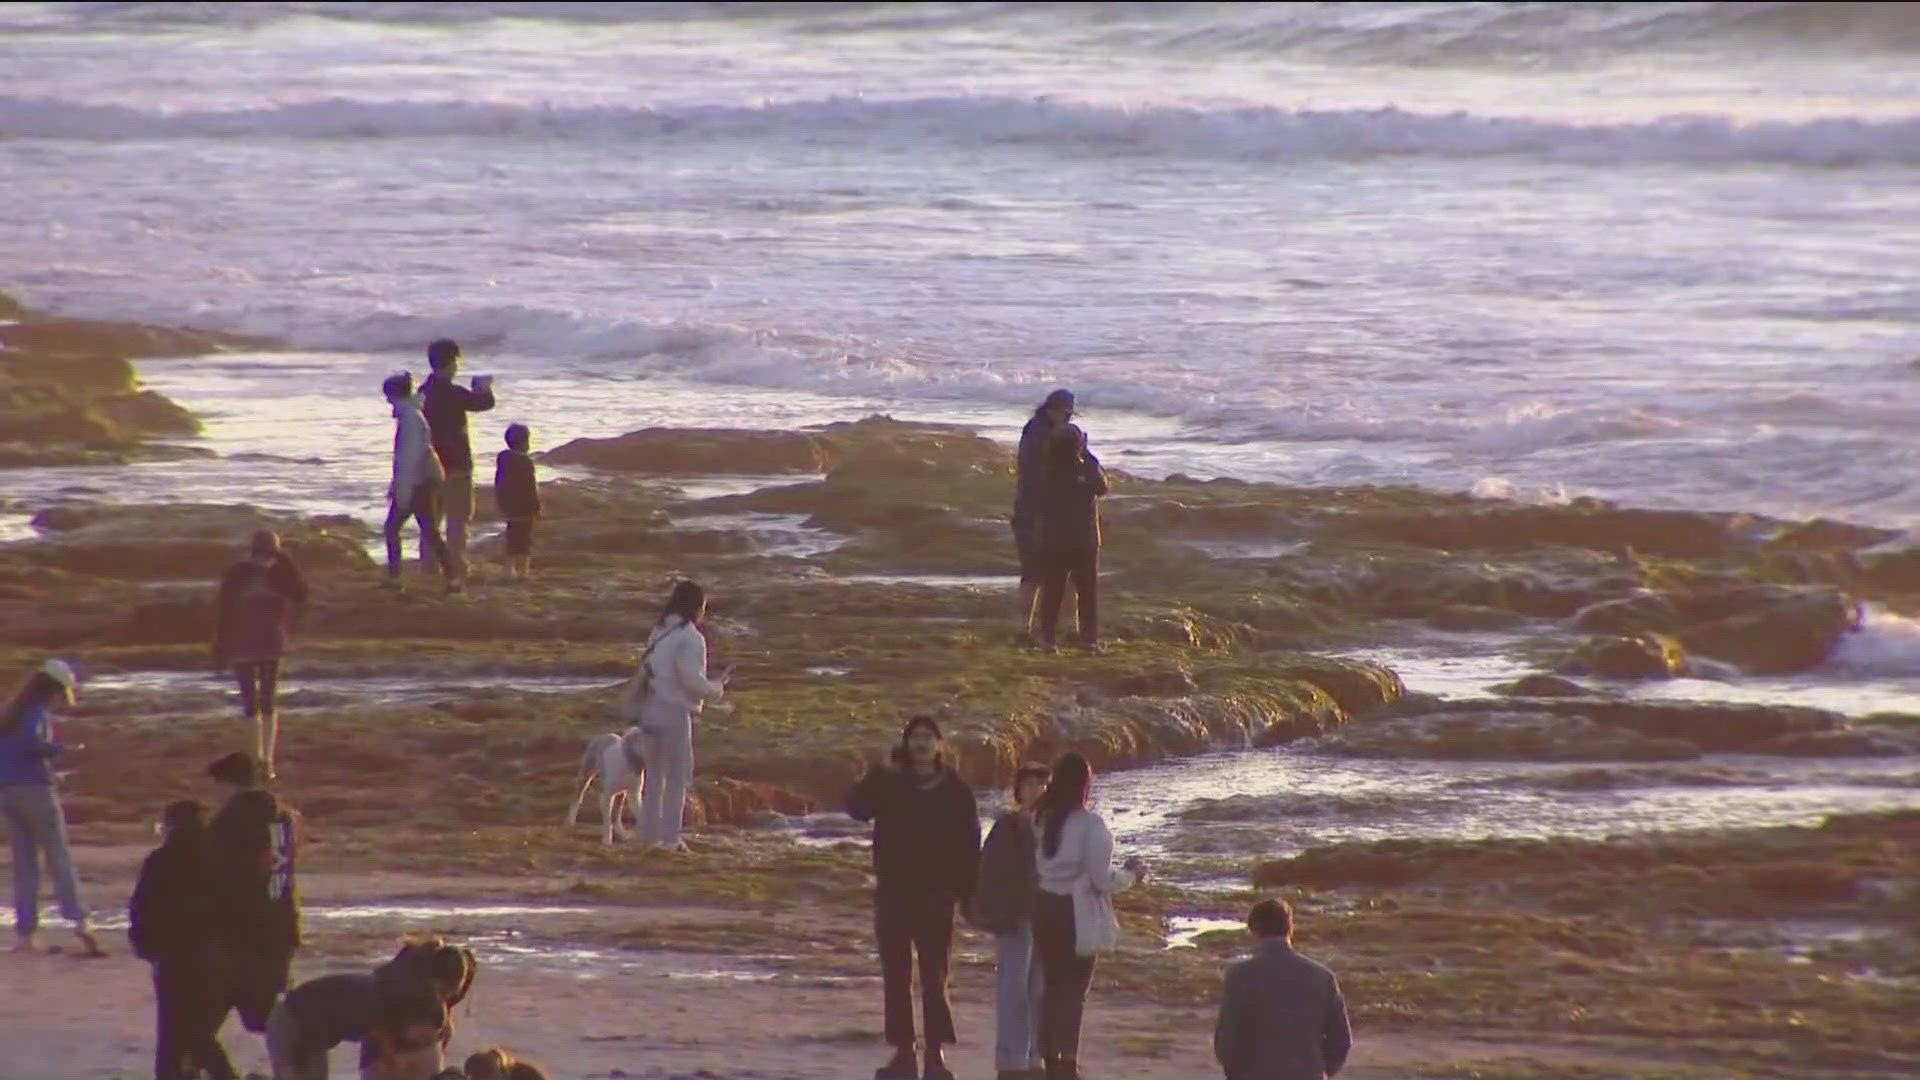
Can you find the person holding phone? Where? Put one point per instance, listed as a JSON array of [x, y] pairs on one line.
[[446, 405], [675, 687]]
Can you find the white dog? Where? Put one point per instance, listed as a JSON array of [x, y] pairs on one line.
[[614, 761]]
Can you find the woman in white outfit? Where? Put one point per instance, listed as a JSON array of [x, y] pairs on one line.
[[676, 688], [1077, 875]]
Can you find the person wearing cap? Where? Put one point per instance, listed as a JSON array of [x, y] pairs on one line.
[[446, 405], [258, 598], [171, 927], [926, 855], [1029, 463], [253, 843], [32, 808]]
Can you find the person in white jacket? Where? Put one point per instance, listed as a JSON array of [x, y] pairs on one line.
[[1077, 877], [675, 688], [417, 477]]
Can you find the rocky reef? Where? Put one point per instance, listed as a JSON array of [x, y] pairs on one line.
[[69, 394]]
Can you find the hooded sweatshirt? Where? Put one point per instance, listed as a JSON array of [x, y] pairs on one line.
[[414, 461], [515, 488], [27, 748], [256, 602], [677, 666], [253, 843], [169, 917], [926, 831]]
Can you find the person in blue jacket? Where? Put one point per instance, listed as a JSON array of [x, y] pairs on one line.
[[32, 808]]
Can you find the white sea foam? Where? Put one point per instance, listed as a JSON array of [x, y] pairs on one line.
[[1886, 646], [1253, 132]]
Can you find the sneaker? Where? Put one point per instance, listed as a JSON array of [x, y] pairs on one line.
[[89, 945], [936, 1066]]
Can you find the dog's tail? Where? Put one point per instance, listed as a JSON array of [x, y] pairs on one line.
[[590, 758]]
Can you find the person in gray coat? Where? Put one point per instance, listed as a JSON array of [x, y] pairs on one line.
[[1282, 1017]]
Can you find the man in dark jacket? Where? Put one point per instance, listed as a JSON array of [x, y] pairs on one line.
[[516, 490], [1027, 466], [258, 598], [172, 927], [446, 405], [1282, 1017], [253, 844], [926, 851], [1069, 534], [1003, 903]]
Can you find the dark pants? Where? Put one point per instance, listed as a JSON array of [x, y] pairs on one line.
[[256, 977], [259, 687], [1066, 976], [421, 509], [905, 924], [1081, 566], [191, 1000], [519, 536]]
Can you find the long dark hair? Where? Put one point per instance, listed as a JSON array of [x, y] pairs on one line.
[[1067, 791], [920, 720], [37, 688], [688, 600]]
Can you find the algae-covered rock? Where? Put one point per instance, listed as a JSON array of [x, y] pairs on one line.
[[697, 451], [1501, 736], [1585, 523], [1360, 687], [1778, 631], [1642, 655], [179, 540], [1540, 684]]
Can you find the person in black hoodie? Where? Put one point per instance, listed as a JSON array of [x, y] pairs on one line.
[[171, 927], [1028, 464], [1069, 535], [517, 492], [253, 843], [926, 851], [446, 405]]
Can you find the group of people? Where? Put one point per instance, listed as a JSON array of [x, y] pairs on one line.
[[216, 910], [1043, 885], [433, 470]]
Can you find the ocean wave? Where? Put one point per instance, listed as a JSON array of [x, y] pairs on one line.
[[1465, 34], [1249, 132]]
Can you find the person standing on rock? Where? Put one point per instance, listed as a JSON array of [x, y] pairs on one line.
[[253, 842], [32, 808], [258, 598], [672, 688], [926, 853], [1003, 904], [1073, 917], [171, 926], [1028, 464], [446, 405], [417, 479], [1068, 532], [516, 491], [1282, 1016]]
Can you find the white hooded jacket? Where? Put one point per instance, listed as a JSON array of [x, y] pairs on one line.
[[414, 462], [677, 667]]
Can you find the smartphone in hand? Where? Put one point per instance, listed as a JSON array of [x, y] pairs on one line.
[[482, 382]]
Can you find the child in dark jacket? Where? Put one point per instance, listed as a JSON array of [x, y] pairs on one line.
[[517, 492], [1069, 534], [172, 926]]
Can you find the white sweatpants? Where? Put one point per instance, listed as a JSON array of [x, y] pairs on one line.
[[666, 739]]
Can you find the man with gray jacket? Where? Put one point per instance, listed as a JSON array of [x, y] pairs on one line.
[[1282, 1017]]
